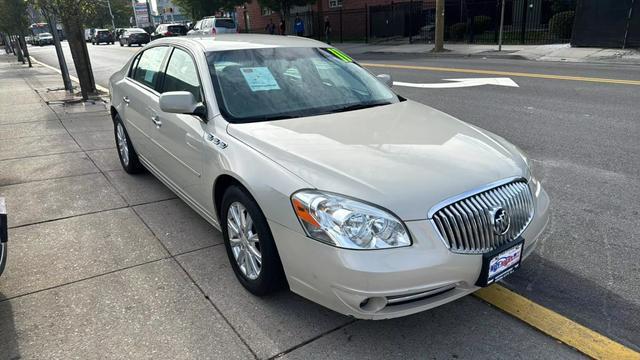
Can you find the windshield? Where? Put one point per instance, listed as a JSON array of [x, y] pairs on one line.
[[177, 29], [225, 23], [279, 83]]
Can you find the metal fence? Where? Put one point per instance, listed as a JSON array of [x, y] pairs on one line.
[[607, 23], [525, 21], [466, 21]]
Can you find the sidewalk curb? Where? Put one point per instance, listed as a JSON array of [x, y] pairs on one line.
[[451, 55], [73, 78]]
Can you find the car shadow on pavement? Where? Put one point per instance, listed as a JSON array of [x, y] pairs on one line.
[[581, 300], [8, 334]]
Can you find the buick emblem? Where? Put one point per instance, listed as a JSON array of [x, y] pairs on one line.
[[500, 220]]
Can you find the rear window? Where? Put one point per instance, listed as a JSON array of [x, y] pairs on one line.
[[103, 33], [177, 29], [225, 23]]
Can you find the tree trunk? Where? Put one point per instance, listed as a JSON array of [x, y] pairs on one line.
[[24, 45], [78, 46], [18, 47]]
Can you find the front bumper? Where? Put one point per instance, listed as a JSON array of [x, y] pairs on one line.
[[381, 284]]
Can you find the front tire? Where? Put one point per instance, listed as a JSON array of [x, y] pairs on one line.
[[126, 152], [250, 246]]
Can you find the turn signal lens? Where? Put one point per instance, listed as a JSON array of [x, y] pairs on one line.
[[347, 223]]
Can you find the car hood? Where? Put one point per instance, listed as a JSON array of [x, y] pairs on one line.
[[406, 157]]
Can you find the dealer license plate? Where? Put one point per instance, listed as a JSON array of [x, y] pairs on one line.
[[500, 263]]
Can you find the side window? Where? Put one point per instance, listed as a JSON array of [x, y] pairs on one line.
[[148, 67], [134, 65], [182, 74]]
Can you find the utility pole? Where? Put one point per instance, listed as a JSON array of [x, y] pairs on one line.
[[439, 45], [501, 26], [113, 23]]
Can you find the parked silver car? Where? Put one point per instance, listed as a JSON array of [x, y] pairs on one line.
[[321, 178]]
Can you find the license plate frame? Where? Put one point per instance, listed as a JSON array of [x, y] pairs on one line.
[[489, 276]]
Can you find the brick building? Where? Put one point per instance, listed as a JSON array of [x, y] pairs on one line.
[[350, 19]]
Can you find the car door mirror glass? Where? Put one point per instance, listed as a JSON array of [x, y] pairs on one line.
[[181, 102]]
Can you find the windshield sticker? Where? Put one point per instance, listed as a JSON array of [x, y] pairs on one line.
[[259, 79], [340, 55]]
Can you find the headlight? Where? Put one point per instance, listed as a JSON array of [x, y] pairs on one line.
[[347, 223]]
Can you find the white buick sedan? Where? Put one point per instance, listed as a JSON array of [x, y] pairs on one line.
[[321, 178]]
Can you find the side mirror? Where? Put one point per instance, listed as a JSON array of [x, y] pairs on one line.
[[386, 79], [182, 102]]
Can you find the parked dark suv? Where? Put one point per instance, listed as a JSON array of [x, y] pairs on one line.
[[134, 36], [165, 30], [102, 36]]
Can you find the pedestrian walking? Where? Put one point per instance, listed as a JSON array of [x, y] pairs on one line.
[[327, 30], [298, 26], [283, 28], [271, 27]]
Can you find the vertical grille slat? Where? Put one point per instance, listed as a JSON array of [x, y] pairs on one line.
[[466, 224]]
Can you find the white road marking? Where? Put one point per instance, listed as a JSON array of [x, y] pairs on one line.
[[460, 83]]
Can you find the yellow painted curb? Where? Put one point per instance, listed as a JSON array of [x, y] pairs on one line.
[[505, 73], [555, 325]]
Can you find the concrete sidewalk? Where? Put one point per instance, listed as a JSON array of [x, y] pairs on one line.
[[107, 265], [552, 52]]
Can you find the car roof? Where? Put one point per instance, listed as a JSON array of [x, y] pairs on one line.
[[241, 41]]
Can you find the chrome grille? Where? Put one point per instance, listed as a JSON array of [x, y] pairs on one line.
[[466, 224]]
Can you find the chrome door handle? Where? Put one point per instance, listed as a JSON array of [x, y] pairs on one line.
[[126, 99], [156, 121]]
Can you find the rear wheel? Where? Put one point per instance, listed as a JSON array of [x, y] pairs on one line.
[[127, 154], [249, 243]]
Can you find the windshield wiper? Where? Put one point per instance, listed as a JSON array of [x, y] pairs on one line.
[[358, 107], [268, 118]]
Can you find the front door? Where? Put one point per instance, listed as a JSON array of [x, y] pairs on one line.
[[139, 91], [179, 138]]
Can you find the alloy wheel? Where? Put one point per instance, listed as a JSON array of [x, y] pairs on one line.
[[244, 241], [123, 146]]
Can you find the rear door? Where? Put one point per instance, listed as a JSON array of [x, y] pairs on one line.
[[179, 139], [140, 94]]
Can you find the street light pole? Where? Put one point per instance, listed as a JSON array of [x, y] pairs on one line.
[[501, 26], [113, 23]]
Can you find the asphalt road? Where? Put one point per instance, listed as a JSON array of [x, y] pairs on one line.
[[583, 138]]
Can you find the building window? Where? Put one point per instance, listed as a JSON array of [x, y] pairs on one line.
[[266, 11], [335, 3]]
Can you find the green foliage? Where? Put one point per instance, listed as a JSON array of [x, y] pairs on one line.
[[283, 6], [99, 17], [13, 16], [561, 24], [481, 24], [563, 5], [201, 8], [457, 31]]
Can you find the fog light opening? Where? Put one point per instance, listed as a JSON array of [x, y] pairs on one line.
[[373, 304]]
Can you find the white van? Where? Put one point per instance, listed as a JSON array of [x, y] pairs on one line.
[[212, 25]]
